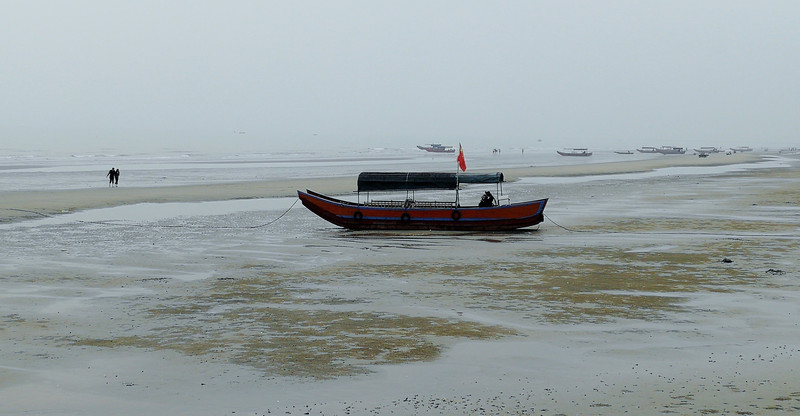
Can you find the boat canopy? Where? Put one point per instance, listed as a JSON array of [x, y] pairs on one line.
[[409, 181]]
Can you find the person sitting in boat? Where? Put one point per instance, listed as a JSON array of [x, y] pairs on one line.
[[487, 200]]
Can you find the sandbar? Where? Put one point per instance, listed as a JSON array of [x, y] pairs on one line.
[[20, 205]]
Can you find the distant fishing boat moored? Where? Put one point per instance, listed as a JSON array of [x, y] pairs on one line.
[[707, 149], [647, 149], [671, 150], [437, 148], [741, 149], [574, 152]]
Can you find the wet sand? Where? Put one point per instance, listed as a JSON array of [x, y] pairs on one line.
[[668, 295], [19, 205]]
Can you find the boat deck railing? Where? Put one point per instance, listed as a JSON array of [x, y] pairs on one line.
[[411, 204]]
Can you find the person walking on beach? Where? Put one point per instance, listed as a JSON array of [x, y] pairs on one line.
[[112, 174], [116, 177]]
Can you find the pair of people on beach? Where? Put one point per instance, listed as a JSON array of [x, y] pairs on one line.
[[113, 177]]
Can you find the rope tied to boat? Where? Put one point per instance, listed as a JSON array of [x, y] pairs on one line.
[[123, 224]]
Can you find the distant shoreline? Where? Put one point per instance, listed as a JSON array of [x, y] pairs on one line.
[[23, 205], [633, 166]]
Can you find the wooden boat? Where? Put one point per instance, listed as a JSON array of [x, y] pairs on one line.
[[647, 149], [412, 214], [623, 152], [707, 149], [574, 152], [741, 149], [671, 150], [437, 148]]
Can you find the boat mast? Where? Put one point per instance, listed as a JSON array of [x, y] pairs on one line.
[[457, 204], [457, 186], [460, 164]]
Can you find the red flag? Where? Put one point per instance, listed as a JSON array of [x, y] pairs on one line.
[[462, 163]]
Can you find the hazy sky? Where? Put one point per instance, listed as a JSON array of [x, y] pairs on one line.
[[133, 76]]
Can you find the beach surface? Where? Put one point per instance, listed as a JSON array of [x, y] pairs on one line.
[[662, 286], [28, 204]]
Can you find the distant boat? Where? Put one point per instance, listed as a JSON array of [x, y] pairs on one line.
[[647, 149], [742, 149], [437, 148], [574, 152], [412, 214], [623, 152], [707, 149], [671, 150]]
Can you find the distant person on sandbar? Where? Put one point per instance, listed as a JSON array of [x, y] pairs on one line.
[[487, 200], [112, 174], [116, 177]]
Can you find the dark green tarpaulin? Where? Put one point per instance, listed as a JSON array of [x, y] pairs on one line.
[[409, 181]]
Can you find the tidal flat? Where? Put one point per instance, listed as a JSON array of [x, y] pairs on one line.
[[676, 294]]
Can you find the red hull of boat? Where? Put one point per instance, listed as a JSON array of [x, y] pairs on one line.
[[365, 217]]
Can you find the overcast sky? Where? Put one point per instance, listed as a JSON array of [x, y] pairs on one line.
[[144, 76]]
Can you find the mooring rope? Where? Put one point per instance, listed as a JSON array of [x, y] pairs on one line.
[[707, 233], [123, 224], [571, 230], [567, 229]]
